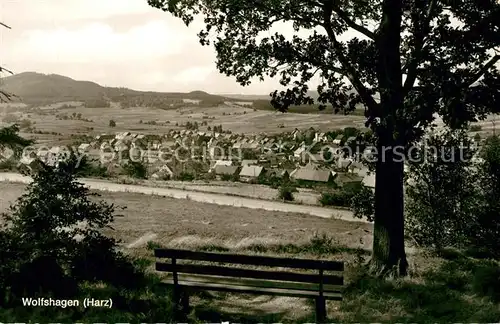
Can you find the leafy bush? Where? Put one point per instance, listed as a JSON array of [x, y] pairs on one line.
[[487, 222], [442, 196], [185, 176], [363, 204], [135, 170], [87, 168], [286, 192], [342, 197], [52, 240], [486, 281], [112, 123]]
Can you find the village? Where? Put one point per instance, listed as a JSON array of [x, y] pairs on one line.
[[306, 158]]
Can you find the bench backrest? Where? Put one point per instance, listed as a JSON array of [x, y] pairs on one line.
[[252, 260]]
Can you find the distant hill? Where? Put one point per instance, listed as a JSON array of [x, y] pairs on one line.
[[38, 88]]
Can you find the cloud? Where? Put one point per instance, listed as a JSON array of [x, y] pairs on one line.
[[69, 10], [99, 42], [195, 74], [115, 43]]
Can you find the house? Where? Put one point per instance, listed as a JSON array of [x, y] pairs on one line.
[[83, 148], [31, 164], [343, 163], [297, 154], [163, 172], [283, 174], [249, 172], [312, 174], [346, 179], [221, 163], [358, 168], [369, 180], [338, 139], [317, 158], [249, 162], [120, 146], [54, 155], [121, 136], [222, 171], [320, 137]]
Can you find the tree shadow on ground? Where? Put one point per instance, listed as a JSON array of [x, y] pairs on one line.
[[457, 290], [214, 308]]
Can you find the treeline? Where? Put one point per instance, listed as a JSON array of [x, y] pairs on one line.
[[262, 104]]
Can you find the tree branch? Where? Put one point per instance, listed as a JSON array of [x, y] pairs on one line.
[[419, 45], [4, 69], [482, 71], [348, 70], [345, 17]]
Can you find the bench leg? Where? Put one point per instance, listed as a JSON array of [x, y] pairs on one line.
[[185, 301], [320, 310], [181, 300]]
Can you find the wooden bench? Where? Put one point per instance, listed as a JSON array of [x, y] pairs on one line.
[[236, 279]]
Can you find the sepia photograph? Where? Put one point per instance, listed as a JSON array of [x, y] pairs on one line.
[[257, 161]]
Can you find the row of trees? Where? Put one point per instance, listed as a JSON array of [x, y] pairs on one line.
[[455, 200], [452, 194]]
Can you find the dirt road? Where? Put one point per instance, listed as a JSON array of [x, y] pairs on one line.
[[218, 199]]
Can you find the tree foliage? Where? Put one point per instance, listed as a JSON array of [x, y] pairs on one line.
[[455, 202], [362, 204], [447, 46], [52, 239], [487, 234], [9, 138], [443, 196], [403, 61]]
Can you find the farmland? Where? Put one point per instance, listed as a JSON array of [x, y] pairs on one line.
[[157, 121], [176, 223]]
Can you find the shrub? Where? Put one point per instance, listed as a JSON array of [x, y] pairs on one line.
[[112, 123], [89, 168], [363, 204], [286, 192], [186, 176], [486, 281], [342, 197], [135, 170], [475, 128], [51, 253]]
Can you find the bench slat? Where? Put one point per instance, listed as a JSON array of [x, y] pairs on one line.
[[248, 273], [256, 290], [250, 259], [253, 283]]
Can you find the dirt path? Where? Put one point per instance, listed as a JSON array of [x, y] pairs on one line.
[[205, 197]]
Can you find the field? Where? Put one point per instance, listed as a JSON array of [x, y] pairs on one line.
[[146, 120], [234, 118], [177, 223]]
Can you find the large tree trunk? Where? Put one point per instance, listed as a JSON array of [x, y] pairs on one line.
[[388, 237], [389, 257]]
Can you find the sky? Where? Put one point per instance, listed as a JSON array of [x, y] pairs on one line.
[[114, 43]]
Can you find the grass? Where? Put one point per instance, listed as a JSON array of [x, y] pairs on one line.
[[452, 287]]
